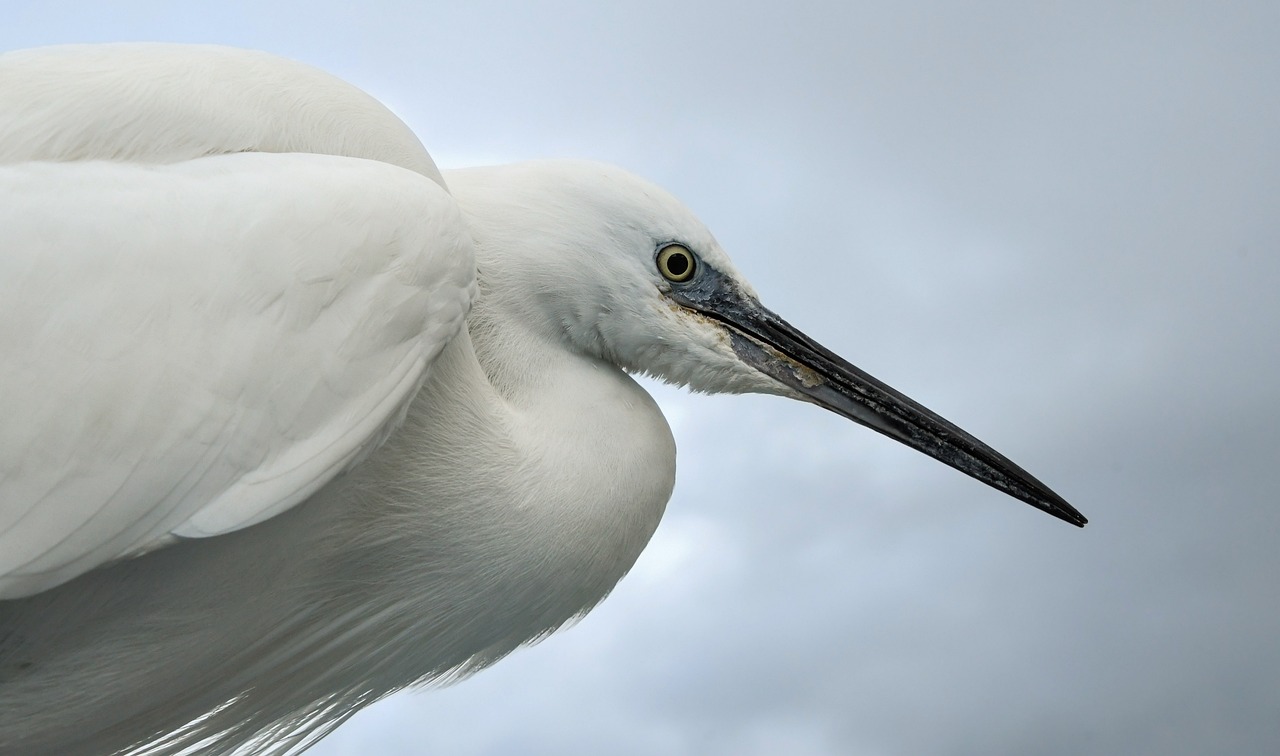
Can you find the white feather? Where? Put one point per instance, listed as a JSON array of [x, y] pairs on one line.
[[168, 372], [207, 333]]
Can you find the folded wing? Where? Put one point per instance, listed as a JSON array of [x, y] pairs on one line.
[[191, 348]]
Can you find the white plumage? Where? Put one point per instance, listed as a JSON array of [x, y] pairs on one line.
[[186, 376], [235, 291]]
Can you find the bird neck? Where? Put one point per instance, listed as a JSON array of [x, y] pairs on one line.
[[544, 475], [582, 427]]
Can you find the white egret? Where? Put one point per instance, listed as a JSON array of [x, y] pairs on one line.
[[235, 291]]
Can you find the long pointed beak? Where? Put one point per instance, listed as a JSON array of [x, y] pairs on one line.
[[777, 349]]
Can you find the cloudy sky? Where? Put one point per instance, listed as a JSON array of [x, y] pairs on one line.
[[1058, 225]]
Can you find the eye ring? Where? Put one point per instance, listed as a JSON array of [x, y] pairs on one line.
[[676, 263]]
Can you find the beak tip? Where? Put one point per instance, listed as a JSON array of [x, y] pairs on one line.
[[1067, 513]]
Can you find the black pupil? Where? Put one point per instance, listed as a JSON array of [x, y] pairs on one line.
[[678, 264]]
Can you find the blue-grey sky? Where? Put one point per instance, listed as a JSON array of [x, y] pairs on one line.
[[1055, 224]]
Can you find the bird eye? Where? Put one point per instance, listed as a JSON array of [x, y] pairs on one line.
[[676, 263]]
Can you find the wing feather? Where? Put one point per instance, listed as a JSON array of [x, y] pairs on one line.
[[195, 347]]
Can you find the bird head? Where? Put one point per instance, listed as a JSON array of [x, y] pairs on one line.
[[592, 256]]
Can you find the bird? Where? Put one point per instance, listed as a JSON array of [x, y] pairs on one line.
[[294, 420]]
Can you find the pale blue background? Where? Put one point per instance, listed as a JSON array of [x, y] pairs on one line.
[[1057, 225]]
